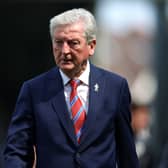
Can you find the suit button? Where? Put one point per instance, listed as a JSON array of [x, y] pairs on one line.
[[77, 155], [77, 159]]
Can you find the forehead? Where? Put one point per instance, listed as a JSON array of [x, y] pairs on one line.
[[69, 30]]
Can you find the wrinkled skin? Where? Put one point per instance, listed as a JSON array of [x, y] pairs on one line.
[[71, 50]]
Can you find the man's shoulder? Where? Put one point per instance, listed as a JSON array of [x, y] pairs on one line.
[[51, 73], [108, 74]]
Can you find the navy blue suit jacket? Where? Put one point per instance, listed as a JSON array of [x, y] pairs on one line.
[[41, 119]]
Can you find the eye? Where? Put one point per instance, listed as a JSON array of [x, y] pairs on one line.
[[74, 43], [58, 42]]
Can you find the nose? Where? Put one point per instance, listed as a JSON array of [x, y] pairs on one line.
[[65, 48]]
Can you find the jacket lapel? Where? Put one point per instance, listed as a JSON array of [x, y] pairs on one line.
[[96, 88], [60, 107]]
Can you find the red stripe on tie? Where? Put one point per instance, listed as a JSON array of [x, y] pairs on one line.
[[78, 112]]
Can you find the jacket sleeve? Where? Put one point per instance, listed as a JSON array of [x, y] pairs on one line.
[[126, 154], [19, 151]]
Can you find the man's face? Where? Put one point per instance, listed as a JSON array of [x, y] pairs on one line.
[[71, 49]]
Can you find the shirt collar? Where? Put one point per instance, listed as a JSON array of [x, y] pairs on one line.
[[84, 77]]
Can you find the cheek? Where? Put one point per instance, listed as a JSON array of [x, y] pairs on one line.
[[57, 55], [56, 52], [86, 53], [54, 49]]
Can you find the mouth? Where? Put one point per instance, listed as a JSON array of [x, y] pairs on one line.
[[67, 61]]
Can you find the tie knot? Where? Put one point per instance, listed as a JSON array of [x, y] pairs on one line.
[[74, 83]]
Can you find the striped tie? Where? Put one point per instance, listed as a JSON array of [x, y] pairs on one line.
[[77, 109]]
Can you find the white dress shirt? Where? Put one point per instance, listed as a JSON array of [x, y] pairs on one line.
[[82, 89]]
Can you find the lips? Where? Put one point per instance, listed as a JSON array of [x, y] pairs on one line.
[[66, 61]]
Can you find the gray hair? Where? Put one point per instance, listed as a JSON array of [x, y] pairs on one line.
[[73, 16]]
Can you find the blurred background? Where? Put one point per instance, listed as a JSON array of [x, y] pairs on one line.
[[132, 41]]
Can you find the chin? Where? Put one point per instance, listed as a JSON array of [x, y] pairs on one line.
[[66, 68]]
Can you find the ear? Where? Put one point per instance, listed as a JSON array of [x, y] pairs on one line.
[[92, 46]]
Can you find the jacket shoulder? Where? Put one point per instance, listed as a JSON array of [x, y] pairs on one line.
[[109, 75], [52, 73]]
